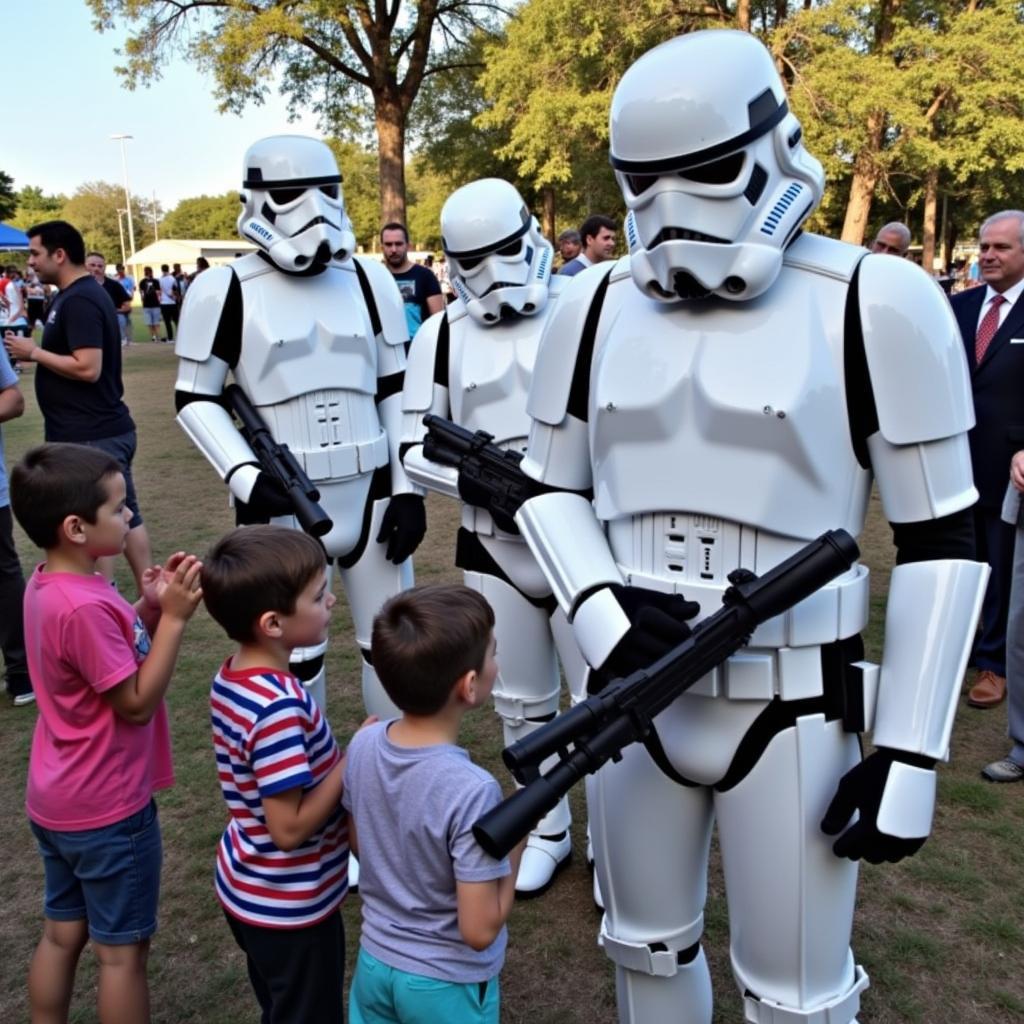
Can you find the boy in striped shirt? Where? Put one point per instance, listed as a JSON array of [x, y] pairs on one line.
[[282, 863]]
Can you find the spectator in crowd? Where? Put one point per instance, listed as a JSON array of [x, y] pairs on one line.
[[202, 263], [12, 583], [434, 903], [597, 233], [990, 318], [101, 746], [149, 289], [420, 291], [569, 245], [169, 299], [36, 294], [16, 314], [127, 282], [443, 279], [96, 264], [893, 239], [78, 369], [181, 280]]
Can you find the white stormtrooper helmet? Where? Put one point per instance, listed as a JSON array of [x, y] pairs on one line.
[[292, 205], [498, 261], [710, 163]]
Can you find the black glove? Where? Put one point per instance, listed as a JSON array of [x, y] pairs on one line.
[[861, 789], [472, 493], [403, 526], [658, 622], [268, 499]]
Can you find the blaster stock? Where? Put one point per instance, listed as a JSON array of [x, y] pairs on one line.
[[485, 470], [277, 461], [599, 728]]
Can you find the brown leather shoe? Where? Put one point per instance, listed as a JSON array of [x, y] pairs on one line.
[[988, 690]]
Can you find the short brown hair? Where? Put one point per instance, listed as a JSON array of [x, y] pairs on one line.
[[54, 481], [425, 639], [257, 569]]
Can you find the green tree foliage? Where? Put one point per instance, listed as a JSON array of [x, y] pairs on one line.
[[548, 85], [358, 167], [900, 97], [93, 210], [331, 55], [203, 217], [33, 207], [8, 197]]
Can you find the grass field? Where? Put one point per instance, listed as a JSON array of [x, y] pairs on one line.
[[941, 935]]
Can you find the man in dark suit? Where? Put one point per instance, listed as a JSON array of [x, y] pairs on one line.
[[991, 323]]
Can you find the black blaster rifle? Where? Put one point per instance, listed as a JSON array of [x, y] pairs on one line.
[[599, 728], [278, 461], [484, 468]]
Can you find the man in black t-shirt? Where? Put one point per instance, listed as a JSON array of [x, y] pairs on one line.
[[96, 264], [78, 368], [149, 290], [420, 291]]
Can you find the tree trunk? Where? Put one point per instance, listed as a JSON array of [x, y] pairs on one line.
[[931, 196], [547, 195], [743, 15], [390, 120], [862, 187]]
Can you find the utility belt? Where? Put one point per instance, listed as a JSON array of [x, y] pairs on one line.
[[837, 610], [835, 672], [340, 462]]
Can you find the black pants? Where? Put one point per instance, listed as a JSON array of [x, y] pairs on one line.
[[169, 312], [12, 590], [297, 974]]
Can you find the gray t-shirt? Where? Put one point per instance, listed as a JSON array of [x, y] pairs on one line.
[[414, 809]]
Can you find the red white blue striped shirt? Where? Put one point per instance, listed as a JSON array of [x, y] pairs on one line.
[[269, 737]]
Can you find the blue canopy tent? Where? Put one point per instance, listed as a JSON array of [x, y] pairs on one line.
[[12, 238]]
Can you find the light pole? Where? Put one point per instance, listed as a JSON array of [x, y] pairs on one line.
[[120, 231], [127, 194]]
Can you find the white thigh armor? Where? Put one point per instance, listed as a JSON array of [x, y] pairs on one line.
[[719, 435]]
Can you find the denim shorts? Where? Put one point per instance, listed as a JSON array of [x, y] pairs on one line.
[[122, 448], [385, 995], [152, 315], [109, 876]]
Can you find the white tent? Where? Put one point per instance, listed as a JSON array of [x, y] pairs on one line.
[[187, 250]]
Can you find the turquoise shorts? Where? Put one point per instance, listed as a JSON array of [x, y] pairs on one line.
[[385, 995]]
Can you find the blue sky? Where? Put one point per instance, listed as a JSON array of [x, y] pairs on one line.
[[64, 101]]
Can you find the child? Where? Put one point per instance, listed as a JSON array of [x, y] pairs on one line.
[[282, 864], [434, 904], [101, 746]]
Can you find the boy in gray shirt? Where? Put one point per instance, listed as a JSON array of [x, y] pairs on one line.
[[434, 904]]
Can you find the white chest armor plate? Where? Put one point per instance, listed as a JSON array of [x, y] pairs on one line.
[[489, 376], [732, 413], [309, 363]]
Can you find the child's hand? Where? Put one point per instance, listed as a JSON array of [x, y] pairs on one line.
[[178, 587], [156, 578]]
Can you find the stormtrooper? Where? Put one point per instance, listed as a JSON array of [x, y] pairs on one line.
[[727, 392], [316, 339], [473, 363]]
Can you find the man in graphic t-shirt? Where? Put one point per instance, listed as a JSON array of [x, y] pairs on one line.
[[420, 291]]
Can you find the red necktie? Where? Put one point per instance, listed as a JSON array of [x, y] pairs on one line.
[[987, 329]]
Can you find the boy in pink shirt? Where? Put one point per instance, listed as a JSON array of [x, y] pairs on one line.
[[101, 746]]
